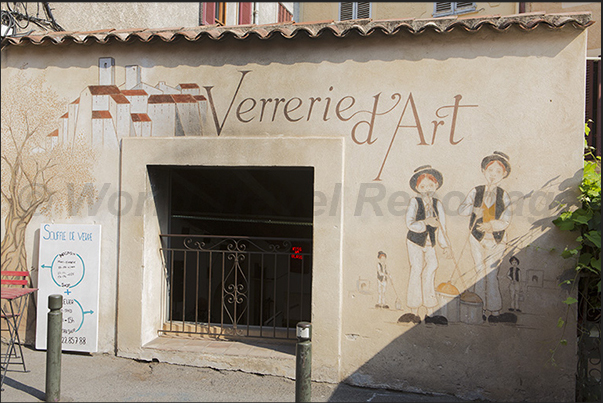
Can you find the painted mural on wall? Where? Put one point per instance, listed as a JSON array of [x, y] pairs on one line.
[[515, 284], [105, 112], [384, 277], [426, 222], [37, 174], [488, 207], [45, 164]]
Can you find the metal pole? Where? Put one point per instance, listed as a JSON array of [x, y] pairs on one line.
[[303, 363], [53, 348]]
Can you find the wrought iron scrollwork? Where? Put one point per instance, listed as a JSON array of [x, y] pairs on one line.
[[209, 244], [235, 286]]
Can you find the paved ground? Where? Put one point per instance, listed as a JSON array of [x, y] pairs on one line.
[[106, 378]]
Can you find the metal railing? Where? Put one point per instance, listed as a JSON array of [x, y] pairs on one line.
[[227, 286]]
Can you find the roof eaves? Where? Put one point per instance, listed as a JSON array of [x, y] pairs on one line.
[[290, 30], [123, 35]]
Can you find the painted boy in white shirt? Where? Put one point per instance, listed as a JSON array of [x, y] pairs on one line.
[[426, 224], [488, 206]]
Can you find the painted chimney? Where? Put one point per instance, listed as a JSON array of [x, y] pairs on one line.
[[132, 77], [106, 71]]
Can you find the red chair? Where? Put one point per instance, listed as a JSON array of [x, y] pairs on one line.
[[12, 312]]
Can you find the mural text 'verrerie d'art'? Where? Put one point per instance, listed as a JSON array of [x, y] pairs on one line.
[[105, 113]]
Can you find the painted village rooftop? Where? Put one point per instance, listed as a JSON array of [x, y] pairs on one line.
[[291, 30]]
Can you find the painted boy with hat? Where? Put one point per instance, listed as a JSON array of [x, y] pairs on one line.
[[426, 224], [488, 207], [514, 275]]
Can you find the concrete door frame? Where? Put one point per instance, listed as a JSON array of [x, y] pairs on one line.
[[141, 291]]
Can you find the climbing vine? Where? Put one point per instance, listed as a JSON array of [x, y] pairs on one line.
[[585, 221]]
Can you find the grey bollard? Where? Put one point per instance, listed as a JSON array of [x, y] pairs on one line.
[[303, 363], [53, 348]]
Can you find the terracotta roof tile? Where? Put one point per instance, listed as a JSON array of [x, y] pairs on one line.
[[161, 99], [188, 85], [55, 133], [140, 117], [290, 30], [183, 98], [199, 98], [101, 115], [134, 93], [120, 99], [104, 89], [65, 116]]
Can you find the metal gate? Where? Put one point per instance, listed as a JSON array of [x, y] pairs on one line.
[[236, 286]]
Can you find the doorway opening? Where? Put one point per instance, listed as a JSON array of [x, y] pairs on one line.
[[237, 248]]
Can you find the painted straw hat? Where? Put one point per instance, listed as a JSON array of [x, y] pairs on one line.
[[425, 169], [498, 156]]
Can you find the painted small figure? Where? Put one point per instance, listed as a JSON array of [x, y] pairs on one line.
[[383, 277], [514, 275]]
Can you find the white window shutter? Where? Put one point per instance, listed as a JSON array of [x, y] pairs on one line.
[[443, 8], [346, 11], [364, 10], [455, 8], [464, 5]]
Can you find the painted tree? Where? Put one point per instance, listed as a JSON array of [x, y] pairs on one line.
[[36, 171]]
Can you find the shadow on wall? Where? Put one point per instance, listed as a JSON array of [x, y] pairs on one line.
[[461, 350], [303, 49]]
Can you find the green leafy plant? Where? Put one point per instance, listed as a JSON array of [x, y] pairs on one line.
[[585, 221]]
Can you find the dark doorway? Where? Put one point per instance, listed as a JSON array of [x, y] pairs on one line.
[[237, 244]]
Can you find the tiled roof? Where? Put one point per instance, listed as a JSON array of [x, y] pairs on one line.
[[101, 115], [132, 93], [161, 99], [199, 98], [183, 98], [55, 133], [171, 98], [188, 85], [290, 30], [140, 117], [120, 99], [103, 89]]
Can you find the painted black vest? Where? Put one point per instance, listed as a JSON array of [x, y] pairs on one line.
[[381, 272], [420, 238], [500, 207]]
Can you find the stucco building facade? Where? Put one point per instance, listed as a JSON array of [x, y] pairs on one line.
[[356, 120]]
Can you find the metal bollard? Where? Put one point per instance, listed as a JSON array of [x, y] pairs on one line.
[[303, 363], [54, 348]]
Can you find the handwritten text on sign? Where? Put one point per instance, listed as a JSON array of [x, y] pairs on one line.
[[69, 266]]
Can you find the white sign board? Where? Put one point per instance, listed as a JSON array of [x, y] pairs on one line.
[[69, 265]]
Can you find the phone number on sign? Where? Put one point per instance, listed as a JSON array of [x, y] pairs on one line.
[[74, 340]]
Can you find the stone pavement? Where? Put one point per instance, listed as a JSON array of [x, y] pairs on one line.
[[107, 378]]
